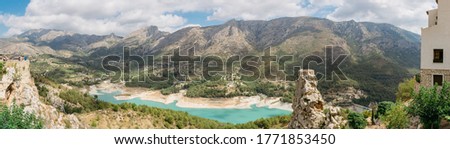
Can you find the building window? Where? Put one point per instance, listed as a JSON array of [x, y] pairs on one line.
[[438, 56], [436, 23], [438, 80]]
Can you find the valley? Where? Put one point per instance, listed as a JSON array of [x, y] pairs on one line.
[[66, 70]]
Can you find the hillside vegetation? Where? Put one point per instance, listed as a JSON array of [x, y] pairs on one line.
[[15, 117]]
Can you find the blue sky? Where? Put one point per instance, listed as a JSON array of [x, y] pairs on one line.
[[15, 7], [18, 7], [122, 17], [200, 18]]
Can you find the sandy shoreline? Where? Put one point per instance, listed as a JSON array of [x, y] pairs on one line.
[[128, 93]]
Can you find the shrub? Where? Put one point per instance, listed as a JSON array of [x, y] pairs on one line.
[[77, 102], [169, 119], [2, 71], [263, 123], [269, 89], [417, 77], [149, 83], [405, 90], [170, 90], [72, 109], [383, 107], [356, 120], [268, 123], [396, 117], [43, 91], [15, 118], [286, 100], [115, 108], [431, 105], [213, 89], [367, 114], [94, 124]]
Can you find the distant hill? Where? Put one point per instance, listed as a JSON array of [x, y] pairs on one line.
[[289, 35], [62, 40], [381, 55]]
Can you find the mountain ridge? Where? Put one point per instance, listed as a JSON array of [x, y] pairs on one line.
[[380, 55]]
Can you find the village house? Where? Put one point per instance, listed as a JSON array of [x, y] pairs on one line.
[[435, 51]]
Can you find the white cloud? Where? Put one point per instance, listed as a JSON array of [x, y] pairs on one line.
[[258, 10], [95, 17], [188, 25], [124, 16], [407, 14]]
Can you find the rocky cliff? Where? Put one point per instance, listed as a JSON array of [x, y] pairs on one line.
[[310, 111], [17, 87]]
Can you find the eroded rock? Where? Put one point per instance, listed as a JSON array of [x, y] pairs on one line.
[[309, 107]]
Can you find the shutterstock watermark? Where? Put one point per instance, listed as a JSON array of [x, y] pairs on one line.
[[190, 66]]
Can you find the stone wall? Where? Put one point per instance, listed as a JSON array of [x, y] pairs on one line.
[[426, 76]]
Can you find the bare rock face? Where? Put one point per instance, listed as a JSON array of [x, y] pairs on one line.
[[308, 103], [17, 87], [309, 107], [334, 118], [342, 96]]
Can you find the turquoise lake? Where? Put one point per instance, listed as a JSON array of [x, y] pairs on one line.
[[235, 116]]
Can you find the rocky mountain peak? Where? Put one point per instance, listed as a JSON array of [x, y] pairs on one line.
[[146, 32], [144, 35], [43, 35], [112, 35], [232, 22], [152, 29]]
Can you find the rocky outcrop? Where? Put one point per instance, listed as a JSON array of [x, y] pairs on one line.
[[309, 107], [17, 87], [334, 118], [343, 96]]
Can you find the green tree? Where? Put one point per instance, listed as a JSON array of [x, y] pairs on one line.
[[383, 107], [397, 117], [15, 118], [417, 78], [78, 102], [2, 70], [356, 120], [431, 105], [405, 90]]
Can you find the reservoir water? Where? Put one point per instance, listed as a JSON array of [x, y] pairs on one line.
[[235, 116]]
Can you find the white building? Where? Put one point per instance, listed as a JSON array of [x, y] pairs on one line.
[[435, 52]]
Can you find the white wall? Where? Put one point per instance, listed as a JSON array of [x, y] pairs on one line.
[[437, 37]]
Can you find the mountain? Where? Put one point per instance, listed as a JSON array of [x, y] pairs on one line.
[[22, 48], [62, 40], [145, 35], [380, 55], [43, 35], [15, 46], [286, 35]]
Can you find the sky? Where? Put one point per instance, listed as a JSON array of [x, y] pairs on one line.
[[121, 17]]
